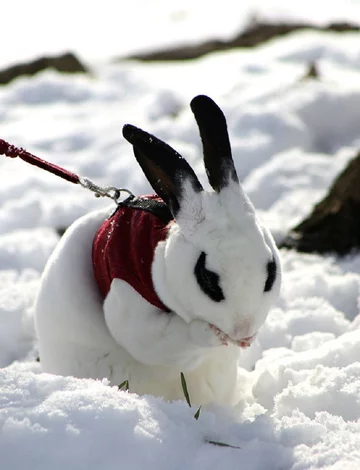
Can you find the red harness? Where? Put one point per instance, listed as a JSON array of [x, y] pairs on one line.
[[124, 246]]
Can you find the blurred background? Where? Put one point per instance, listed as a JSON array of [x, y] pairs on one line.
[[109, 28]]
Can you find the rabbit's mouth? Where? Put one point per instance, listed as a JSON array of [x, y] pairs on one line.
[[225, 339]]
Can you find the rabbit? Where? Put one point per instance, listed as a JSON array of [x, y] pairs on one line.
[[206, 276]]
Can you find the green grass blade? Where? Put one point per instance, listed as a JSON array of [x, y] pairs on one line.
[[221, 444], [124, 386], [185, 389], [197, 414]]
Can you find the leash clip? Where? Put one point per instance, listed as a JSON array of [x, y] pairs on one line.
[[105, 191]]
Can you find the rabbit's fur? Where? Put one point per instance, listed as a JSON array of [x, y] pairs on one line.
[[218, 271]]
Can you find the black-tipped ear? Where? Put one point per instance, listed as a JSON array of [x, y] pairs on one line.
[[218, 160], [166, 170]]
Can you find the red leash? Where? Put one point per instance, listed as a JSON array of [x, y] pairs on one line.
[[11, 151], [108, 191]]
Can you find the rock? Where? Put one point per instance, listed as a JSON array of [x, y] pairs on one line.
[[312, 72], [256, 33], [334, 224], [67, 63], [60, 231]]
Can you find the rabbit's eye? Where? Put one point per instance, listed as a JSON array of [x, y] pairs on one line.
[[208, 280], [271, 275]]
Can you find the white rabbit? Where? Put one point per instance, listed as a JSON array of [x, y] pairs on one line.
[[213, 270]]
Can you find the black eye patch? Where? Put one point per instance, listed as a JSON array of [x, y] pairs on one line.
[[271, 275], [208, 280]]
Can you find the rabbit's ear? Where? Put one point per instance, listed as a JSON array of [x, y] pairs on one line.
[[218, 160], [166, 170]]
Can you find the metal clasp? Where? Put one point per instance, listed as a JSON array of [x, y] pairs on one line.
[[104, 191]]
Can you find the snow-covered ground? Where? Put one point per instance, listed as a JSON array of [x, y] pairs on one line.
[[301, 403], [113, 28]]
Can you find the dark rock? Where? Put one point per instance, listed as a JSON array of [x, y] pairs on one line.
[[255, 34], [334, 224], [342, 27], [181, 52], [311, 73], [60, 231], [67, 63]]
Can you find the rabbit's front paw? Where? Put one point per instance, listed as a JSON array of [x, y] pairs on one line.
[[204, 335]]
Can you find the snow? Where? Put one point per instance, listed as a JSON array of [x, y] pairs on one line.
[[300, 407], [115, 28]]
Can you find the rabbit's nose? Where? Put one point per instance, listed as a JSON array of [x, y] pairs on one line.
[[242, 329]]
